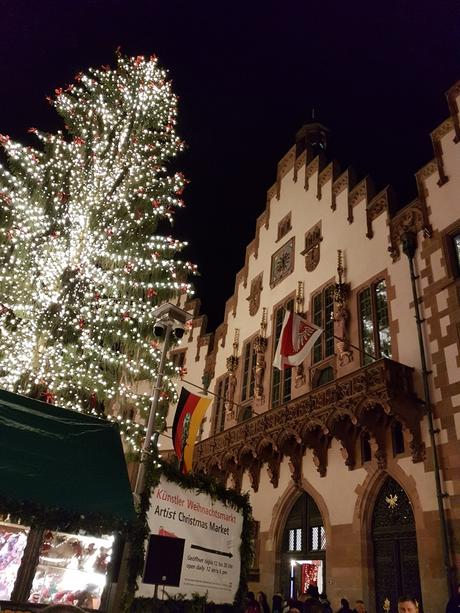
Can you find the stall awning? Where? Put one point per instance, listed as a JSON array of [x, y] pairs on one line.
[[62, 461]]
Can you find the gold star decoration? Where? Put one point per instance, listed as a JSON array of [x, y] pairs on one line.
[[392, 501]]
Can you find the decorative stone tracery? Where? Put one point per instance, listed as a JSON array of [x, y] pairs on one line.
[[367, 400]]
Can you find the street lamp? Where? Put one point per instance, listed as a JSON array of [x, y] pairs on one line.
[[169, 319]]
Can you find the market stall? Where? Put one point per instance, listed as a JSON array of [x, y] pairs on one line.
[[64, 494]]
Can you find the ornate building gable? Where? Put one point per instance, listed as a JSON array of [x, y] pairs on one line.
[[415, 216], [345, 181], [330, 173], [381, 203], [364, 190], [452, 96]]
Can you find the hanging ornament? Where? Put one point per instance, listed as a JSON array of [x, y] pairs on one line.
[[63, 197], [78, 140], [6, 199], [81, 323], [151, 292], [49, 397]]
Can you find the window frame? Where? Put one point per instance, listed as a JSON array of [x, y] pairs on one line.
[[178, 357], [248, 377], [452, 260], [280, 378], [324, 347], [374, 316]]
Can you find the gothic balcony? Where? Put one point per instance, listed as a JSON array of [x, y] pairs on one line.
[[367, 400]]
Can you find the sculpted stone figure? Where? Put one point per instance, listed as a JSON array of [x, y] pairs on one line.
[[341, 318], [230, 394], [259, 372]]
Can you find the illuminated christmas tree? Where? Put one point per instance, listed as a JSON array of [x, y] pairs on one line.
[[82, 263]]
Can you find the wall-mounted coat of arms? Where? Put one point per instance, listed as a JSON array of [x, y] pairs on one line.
[[311, 252]]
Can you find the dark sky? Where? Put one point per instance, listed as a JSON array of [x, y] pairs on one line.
[[248, 74]]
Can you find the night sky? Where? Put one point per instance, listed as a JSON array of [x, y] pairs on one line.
[[248, 75]]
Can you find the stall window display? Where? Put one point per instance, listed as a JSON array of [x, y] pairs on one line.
[[13, 539], [72, 569]]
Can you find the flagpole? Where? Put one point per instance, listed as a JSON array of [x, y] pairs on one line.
[[345, 340], [206, 392]]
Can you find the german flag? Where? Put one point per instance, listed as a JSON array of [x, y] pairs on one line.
[[187, 420]]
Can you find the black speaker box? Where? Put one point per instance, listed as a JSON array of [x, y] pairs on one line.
[[163, 561]]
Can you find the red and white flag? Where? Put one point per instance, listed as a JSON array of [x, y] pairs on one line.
[[297, 338]]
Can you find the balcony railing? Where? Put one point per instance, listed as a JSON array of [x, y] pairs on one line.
[[369, 399]]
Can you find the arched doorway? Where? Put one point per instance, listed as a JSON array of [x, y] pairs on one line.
[[395, 547], [303, 548]]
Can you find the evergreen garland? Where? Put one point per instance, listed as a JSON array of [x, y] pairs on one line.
[[57, 518]]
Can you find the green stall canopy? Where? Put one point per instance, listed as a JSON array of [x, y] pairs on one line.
[[62, 464]]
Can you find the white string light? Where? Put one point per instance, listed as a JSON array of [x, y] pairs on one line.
[[81, 264]]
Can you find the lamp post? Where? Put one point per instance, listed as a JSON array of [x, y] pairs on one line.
[[170, 320], [409, 245]]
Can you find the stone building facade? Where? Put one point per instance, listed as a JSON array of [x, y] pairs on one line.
[[336, 453]]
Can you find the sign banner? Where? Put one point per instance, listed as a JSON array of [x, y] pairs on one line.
[[212, 533]]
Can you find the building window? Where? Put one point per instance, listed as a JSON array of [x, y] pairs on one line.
[[281, 379], [397, 438], [295, 539], [374, 322], [219, 405], [323, 313], [456, 250], [284, 226], [322, 376], [249, 363], [318, 538], [178, 359]]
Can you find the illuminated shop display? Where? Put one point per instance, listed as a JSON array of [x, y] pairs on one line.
[[13, 541], [72, 569]]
